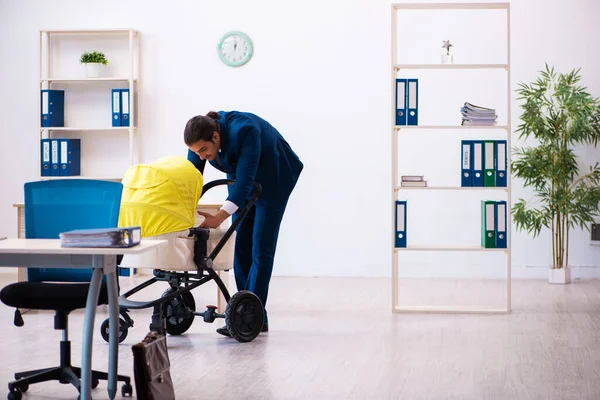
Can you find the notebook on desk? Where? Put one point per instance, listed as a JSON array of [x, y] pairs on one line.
[[104, 237]]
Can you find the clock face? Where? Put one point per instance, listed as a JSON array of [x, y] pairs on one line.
[[235, 49]]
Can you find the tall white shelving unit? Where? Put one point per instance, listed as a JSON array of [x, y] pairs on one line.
[[398, 130], [127, 41]]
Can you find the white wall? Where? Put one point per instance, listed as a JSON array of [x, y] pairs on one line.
[[321, 75]]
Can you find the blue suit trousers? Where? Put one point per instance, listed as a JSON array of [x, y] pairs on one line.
[[255, 244]]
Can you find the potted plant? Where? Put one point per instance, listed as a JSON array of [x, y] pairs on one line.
[[560, 114], [94, 62]]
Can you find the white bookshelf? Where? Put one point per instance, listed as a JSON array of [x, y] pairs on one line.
[[59, 65], [397, 130]]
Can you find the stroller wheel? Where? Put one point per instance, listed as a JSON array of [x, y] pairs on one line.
[[123, 330], [244, 316], [178, 312]]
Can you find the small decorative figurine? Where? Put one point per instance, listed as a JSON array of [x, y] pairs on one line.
[[447, 57]]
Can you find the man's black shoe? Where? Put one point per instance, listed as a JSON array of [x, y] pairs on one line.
[[223, 331]]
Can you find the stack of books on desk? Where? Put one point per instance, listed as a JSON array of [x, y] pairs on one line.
[[473, 115], [109, 237], [413, 181]]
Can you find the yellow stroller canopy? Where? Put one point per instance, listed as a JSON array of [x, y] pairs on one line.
[[161, 197]]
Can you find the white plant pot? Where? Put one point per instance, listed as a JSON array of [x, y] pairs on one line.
[[560, 276], [94, 70]]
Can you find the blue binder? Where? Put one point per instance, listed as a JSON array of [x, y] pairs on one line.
[[477, 156], [466, 160], [53, 108], [124, 107], [501, 163], [400, 240], [412, 102], [54, 157], [501, 232], [401, 99], [45, 157], [116, 107], [70, 157]]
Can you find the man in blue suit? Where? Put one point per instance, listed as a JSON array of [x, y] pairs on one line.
[[248, 149]]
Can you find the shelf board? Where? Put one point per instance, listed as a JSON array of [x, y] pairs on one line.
[[451, 6], [501, 188], [399, 67], [109, 128], [445, 248], [451, 309], [82, 80], [89, 31], [101, 178], [400, 127]]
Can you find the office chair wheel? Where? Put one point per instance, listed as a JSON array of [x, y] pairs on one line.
[[20, 386], [14, 395], [244, 316], [123, 330], [179, 312], [126, 390]]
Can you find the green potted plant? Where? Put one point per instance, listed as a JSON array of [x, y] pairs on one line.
[[560, 114], [95, 62]]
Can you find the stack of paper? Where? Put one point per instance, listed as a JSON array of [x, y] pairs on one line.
[[473, 115], [109, 237]]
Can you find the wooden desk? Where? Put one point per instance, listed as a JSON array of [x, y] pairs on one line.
[[48, 253], [211, 208]]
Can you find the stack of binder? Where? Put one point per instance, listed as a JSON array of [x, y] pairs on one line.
[[484, 163], [473, 115], [120, 107], [60, 157], [407, 101], [493, 224], [413, 181], [106, 237]]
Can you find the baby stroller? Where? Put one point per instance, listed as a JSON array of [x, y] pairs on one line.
[[162, 198]]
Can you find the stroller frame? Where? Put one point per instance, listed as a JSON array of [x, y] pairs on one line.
[[175, 310]]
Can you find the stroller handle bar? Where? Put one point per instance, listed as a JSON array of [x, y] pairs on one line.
[[256, 192]]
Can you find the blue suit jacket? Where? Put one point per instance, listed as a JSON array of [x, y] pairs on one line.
[[253, 150]]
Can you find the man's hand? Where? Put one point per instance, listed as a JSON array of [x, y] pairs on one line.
[[213, 221]]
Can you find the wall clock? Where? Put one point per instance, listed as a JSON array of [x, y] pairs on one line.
[[235, 48]]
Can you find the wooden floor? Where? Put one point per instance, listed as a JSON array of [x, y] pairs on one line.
[[337, 339]]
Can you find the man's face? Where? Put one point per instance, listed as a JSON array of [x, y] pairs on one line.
[[207, 150]]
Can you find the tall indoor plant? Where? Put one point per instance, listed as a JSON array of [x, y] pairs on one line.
[[560, 114]]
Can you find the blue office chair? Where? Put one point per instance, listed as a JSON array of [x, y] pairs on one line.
[[52, 207]]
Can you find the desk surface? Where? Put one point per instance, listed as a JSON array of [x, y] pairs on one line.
[[52, 246]]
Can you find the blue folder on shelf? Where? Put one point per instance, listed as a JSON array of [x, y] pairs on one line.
[[46, 169], [53, 108], [70, 157], [54, 157], [401, 100], [400, 240], [116, 107], [477, 175], [125, 107], [412, 102], [466, 158], [501, 163], [501, 215]]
